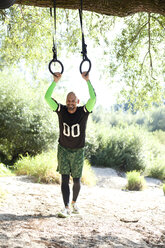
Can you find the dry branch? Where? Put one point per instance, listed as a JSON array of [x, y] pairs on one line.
[[108, 7]]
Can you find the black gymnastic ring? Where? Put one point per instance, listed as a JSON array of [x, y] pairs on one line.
[[56, 61], [84, 60]]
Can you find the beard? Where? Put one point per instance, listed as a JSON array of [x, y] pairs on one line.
[[70, 107]]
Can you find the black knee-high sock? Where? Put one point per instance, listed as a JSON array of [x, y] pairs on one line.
[[65, 189], [76, 188]]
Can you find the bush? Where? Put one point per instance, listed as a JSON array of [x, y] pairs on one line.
[[4, 172], [160, 135], [124, 148], [164, 188], [2, 194], [157, 119], [43, 168], [27, 124], [135, 181], [88, 176], [119, 148], [157, 169]]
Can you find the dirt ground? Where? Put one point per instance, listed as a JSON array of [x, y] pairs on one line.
[[110, 217]]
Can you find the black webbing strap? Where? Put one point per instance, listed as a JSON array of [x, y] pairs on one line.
[[84, 46], [54, 49]]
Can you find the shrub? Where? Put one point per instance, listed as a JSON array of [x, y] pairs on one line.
[[88, 176], [157, 168], [5, 171], [157, 119], [119, 148], [2, 194], [27, 123], [43, 168], [135, 181], [160, 135], [164, 188], [124, 148]]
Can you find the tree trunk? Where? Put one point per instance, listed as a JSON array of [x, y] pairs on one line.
[[108, 7]]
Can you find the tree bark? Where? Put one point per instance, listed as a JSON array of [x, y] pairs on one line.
[[119, 8]]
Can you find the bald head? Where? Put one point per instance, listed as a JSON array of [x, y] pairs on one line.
[[71, 102], [72, 95]]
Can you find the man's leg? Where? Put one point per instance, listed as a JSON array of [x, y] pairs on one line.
[[76, 188], [65, 189]]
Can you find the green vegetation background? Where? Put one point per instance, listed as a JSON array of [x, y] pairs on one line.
[[115, 139]]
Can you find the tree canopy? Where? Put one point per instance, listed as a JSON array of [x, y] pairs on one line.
[[132, 48], [108, 7]]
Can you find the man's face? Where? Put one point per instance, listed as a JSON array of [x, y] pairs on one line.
[[71, 102]]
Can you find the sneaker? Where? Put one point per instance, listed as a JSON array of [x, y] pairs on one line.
[[75, 209], [64, 213]]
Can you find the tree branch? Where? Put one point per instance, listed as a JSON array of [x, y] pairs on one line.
[[149, 44], [143, 62], [136, 35], [139, 31], [160, 23], [108, 7], [149, 40]]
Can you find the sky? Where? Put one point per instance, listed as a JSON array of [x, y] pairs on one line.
[[101, 80], [72, 80]]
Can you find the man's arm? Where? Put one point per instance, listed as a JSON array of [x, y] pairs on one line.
[[92, 100], [53, 105]]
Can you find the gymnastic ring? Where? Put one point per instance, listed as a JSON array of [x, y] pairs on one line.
[[84, 60], [56, 61]]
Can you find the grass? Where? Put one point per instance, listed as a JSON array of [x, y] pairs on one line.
[[164, 188], [2, 194], [88, 176], [157, 169], [4, 171], [135, 181], [43, 168]]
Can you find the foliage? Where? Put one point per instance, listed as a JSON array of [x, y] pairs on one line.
[[164, 188], [157, 169], [26, 123], [3, 194], [27, 32], [22, 31], [135, 181], [151, 119], [124, 148], [132, 48], [160, 135], [5, 171], [43, 168], [88, 176], [139, 59], [157, 119], [118, 148]]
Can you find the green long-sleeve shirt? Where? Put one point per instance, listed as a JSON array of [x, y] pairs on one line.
[[53, 105]]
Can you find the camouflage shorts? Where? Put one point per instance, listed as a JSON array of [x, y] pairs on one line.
[[70, 161]]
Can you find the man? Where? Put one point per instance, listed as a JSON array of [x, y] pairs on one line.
[[72, 125]]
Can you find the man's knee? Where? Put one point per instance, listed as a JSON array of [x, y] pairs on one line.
[[65, 179], [76, 180]]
